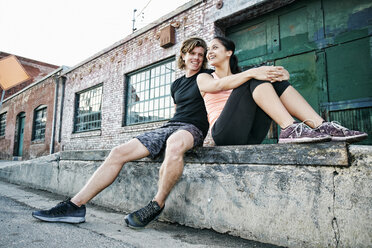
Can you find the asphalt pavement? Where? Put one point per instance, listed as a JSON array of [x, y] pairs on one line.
[[103, 227]]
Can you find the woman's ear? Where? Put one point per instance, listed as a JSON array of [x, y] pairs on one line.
[[183, 56], [229, 53]]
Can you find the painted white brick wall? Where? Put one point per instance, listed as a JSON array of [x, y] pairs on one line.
[[110, 69]]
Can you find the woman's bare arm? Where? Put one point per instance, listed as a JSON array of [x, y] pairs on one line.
[[207, 83]]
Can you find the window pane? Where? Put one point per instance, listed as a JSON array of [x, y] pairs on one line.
[[154, 99], [39, 123], [2, 124], [88, 109]]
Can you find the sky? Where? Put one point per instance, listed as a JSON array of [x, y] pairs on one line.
[[68, 32]]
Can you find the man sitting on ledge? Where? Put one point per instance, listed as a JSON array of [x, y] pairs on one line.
[[185, 130]]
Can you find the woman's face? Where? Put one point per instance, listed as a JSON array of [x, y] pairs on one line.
[[217, 53]]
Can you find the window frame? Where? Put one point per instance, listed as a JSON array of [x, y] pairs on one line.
[[34, 124], [167, 109], [76, 109], [3, 124]]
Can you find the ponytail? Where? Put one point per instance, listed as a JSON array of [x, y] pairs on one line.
[[234, 67], [230, 46]]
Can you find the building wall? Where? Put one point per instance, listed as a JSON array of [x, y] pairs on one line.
[[27, 101], [139, 50], [110, 66], [110, 69], [14, 103], [204, 19]]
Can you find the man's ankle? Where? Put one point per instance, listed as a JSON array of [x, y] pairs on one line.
[[76, 202], [160, 203]]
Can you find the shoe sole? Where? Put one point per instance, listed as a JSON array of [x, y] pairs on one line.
[[350, 138], [71, 220], [304, 140]]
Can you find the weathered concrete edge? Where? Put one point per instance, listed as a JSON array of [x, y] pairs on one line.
[[322, 154], [322, 201]]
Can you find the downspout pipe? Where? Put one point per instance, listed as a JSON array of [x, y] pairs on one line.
[[63, 78], [2, 98], [56, 80]]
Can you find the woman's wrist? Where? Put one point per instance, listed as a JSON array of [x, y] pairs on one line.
[[250, 73]]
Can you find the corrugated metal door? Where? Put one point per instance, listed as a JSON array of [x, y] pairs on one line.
[[326, 46]]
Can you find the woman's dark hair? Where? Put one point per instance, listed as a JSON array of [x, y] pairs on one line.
[[230, 46]]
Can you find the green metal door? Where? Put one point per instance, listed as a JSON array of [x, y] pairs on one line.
[[326, 45], [307, 76], [19, 134]]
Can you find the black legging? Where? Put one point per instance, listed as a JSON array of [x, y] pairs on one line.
[[242, 121]]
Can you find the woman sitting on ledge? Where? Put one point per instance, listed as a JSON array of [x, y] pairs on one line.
[[241, 105]]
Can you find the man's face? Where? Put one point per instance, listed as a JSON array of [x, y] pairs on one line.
[[194, 59]]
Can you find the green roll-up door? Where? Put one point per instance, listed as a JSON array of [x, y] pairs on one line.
[[326, 46], [307, 75]]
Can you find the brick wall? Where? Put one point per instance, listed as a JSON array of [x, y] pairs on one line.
[[139, 50], [110, 69], [28, 101]]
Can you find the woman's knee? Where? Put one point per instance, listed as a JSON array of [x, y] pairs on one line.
[[254, 83], [280, 87]]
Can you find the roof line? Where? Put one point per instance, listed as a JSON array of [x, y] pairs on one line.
[[24, 59], [61, 68]]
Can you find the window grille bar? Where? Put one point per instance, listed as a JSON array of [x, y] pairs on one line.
[[148, 94], [88, 110], [2, 124]]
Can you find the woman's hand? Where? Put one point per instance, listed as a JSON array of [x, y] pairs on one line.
[[269, 73], [284, 74]]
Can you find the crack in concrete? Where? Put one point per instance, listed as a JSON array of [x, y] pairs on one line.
[[335, 226]]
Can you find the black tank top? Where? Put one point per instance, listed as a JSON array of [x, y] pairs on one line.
[[190, 104]]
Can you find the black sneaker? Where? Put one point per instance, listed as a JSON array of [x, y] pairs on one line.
[[144, 216], [65, 211]]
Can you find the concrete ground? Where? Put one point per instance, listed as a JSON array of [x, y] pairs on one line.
[[103, 228]]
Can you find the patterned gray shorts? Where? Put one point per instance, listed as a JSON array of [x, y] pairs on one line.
[[156, 140]]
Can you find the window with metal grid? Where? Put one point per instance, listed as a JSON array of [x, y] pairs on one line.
[[40, 115], [88, 110], [2, 124], [148, 94]]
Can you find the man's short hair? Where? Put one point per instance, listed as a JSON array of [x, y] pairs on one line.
[[187, 46]]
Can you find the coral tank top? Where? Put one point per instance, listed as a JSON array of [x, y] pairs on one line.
[[215, 102]]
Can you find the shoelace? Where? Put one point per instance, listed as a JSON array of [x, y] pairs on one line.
[[146, 212], [300, 127], [337, 125], [57, 209]]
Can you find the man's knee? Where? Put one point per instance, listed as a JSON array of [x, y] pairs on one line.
[[122, 152], [177, 145], [115, 151], [129, 151], [175, 148], [116, 154]]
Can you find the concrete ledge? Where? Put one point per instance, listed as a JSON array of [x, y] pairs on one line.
[[323, 154], [306, 205]]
